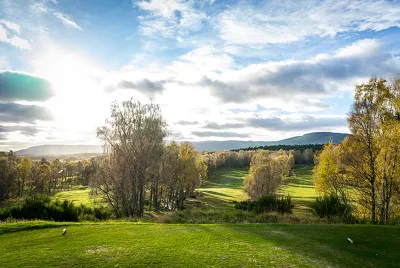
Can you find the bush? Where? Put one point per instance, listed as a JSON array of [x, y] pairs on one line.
[[42, 208], [330, 206], [267, 203]]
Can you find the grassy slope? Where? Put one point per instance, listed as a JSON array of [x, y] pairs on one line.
[[223, 187], [226, 185], [301, 189], [168, 245]]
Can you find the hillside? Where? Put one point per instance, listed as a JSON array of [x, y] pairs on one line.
[[310, 138], [60, 150]]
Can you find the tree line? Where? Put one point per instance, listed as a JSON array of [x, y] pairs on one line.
[[242, 158], [303, 154], [364, 170], [21, 176]]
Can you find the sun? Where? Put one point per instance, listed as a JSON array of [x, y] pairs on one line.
[[76, 84]]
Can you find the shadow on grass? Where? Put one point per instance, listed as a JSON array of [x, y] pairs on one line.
[[225, 178], [216, 193], [374, 246], [17, 227], [299, 181]]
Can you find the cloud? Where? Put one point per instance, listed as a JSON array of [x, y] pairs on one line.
[[25, 130], [11, 25], [278, 21], [144, 86], [39, 7], [187, 123], [11, 37], [293, 123], [213, 125], [308, 80], [20, 86], [219, 134], [18, 113], [206, 58], [305, 123], [169, 18], [67, 21]]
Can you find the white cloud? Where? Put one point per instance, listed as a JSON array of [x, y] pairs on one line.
[[207, 81], [205, 60], [67, 21], [39, 7], [12, 26], [360, 48], [305, 82], [12, 39], [206, 85], [170, 18], [282, 21]]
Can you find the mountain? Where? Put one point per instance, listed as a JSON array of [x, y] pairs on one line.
[[60, 150], [310, 138]]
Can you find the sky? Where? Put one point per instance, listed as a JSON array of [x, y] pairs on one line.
[[220, 70]]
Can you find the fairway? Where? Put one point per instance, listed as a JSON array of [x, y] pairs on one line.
[[169, 245], [80, 195], [226, 185], [301, 189], [223, 187]]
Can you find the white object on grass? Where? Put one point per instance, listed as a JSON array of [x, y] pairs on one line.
[[64, 231], [350, 241]]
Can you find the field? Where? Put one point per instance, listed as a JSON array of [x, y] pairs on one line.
[[127, 244], [80, 195], [226, 185], [300, 187]]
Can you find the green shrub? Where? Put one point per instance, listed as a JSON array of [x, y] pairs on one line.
[[331, 206], [42, 208], [267, 203]]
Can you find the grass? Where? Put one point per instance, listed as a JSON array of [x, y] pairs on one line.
[[301, 189], [79, 195], [226, 185], [223, 187], [123, 244], [128, 244]]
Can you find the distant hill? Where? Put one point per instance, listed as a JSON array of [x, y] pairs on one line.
[[60, 150], [310, 138]]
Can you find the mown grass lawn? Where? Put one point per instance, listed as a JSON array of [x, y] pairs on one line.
[[226, 185], [80, 195], [222, 187], [124, 244], [301, 188]]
